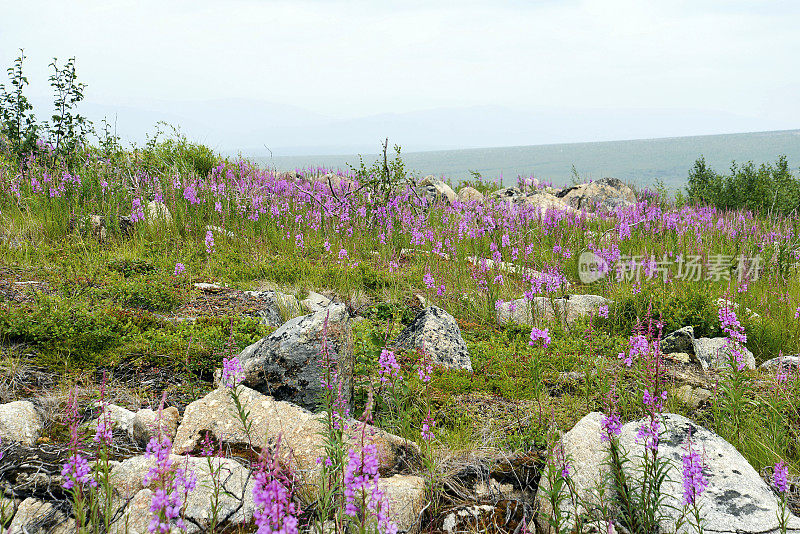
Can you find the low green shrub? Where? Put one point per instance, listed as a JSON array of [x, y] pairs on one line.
[[146, 293], [691, 306]]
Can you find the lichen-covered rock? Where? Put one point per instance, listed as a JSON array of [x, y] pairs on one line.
[[38, 517], [406, 497], [681, 340], [567, 310], [315, 302], [545, 201], [692, 397], [20, 423], [288, 364], [148, 423], [508, 194], [235, 496], [470, 194], [588, 456], [736, 501], [158, 212], [787, 363], [301, 431], [714, 353], [442, 190], [436, 333], [276, 306], [605, 194]]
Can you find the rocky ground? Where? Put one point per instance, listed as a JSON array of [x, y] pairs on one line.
[[478, 488]]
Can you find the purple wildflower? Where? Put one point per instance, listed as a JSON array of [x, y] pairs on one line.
[[232, 372], [694, 483], [137, 213], [537, 334], [389, 368], [179, 268], [429, 281], [361, 481], [611, 425], [427, 427], [209, 241], [602, 311], [780, 475], [76, 471]]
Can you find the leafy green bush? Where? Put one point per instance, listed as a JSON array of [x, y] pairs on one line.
[[208, 340], [127, 267], [63, 327], [688, 307], [177, 153], [146, 293], [765, 189]]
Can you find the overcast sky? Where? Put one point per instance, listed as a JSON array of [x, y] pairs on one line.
[[353, 59]]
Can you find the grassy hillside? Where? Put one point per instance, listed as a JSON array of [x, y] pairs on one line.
[[640, 161]]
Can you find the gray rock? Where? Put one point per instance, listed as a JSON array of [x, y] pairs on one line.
[[787, 362], [288, 364], [508, 194], [315, 302], [8, 507], [148, 424], [120, 418], [436, 332], [406, 498], [713, 353], [277, 305], [442, 191], [545, 201], [470, 194], [38, 517], [301, 433], [20, 423], [681, 340], [588, 456], [605, 194], [158, 212], [692, 397], [568, 310], [682, 357], [130, 493], [737, 500], [207, 287]]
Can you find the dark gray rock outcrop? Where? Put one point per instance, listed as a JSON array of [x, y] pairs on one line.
[[288, 364]]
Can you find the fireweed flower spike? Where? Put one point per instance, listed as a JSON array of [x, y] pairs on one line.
[[232, 372], [694, 482], [209, 241], [537, 334], [389, 368], [427, 427], [780, 476]]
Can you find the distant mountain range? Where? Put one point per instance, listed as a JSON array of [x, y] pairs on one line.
[[641, 161]]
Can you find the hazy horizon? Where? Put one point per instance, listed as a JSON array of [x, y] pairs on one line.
[[304, 76]]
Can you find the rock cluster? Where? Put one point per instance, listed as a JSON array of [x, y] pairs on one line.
[[708, 352], [607, 194], [568, 309]]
